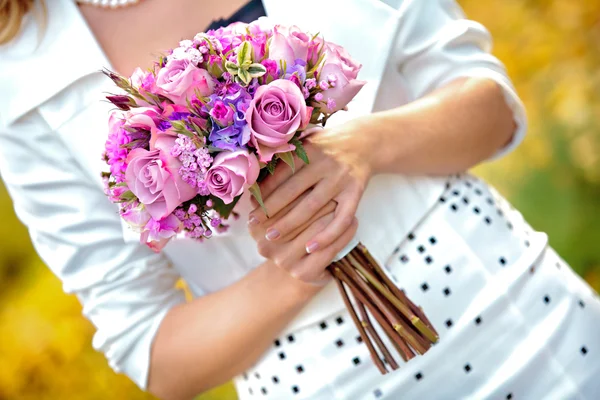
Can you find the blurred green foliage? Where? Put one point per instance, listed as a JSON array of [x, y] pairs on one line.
[[552, 51]]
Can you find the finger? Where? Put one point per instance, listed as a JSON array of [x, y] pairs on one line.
[[328, 208], [272, 181], [344, 215], [288, 255], [317, 198], [289, 190], [312, 268], [258, 228]]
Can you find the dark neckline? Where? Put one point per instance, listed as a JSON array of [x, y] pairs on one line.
[[249, 12]]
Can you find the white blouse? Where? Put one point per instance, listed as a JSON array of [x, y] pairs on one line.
[[53, 125]]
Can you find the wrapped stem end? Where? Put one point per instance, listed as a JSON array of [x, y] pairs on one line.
[[406, 326]]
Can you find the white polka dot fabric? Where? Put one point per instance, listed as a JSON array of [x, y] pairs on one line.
[[515, 321]]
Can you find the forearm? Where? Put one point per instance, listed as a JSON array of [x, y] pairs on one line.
[[447, 131], [206, 342]]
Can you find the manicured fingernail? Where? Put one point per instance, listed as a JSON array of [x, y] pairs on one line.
[[272, 234], [253, 220], [311, 247]]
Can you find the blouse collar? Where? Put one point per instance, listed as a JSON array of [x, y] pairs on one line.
[[40, 62]]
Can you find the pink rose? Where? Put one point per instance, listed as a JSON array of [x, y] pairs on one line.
[[157, 234], [338, 96], [153, 177], [142, 118], [230, 172], [136, 217], [342, 70], [276, 113], [179, 80], [289, 44], [338, 55]]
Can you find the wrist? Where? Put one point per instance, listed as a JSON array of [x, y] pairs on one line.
[[288, 288], [364, 140]]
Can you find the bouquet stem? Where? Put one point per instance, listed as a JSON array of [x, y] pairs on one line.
[[405, 324]]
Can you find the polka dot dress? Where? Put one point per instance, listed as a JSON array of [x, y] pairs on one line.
[[515, 321]]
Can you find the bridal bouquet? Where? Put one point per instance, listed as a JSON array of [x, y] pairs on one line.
[[210, 120]]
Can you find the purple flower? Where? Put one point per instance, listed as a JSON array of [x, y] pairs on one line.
[[229, 138], [163, 125], [221, 113], [298, 69]]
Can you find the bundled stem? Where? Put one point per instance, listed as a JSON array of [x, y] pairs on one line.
[[404, 323]]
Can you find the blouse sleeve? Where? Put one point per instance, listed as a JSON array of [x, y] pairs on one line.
[[436, 45], [125, 289]]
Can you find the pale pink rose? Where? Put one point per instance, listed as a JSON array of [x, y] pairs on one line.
[[280, 49], [143, 118], [153, 177], [230, 173], [338, 96], [313, 50], [179, 80], [289, 44], [276, 113], [335, 54], [157, 234], [136, 217]]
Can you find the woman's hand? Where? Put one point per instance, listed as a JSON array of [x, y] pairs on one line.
[[339, 171], [289, 252]]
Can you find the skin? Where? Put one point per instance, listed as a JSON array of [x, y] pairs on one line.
[[206, 342], [448, 131]]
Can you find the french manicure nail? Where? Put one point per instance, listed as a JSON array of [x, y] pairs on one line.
[[253, 220], [311, 247], [272, 234]]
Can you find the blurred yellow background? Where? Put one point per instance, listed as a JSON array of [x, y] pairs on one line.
[[552, 51]]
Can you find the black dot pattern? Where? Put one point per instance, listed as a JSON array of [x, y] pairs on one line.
[[424, 265]]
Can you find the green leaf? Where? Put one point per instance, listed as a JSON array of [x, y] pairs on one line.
[[232, 68], [255, 190], [244, 54], [288, 158], [300, 151], [127, 196], [271, 166], [257, 70], [214, 149], [244, 76], [223, 209]]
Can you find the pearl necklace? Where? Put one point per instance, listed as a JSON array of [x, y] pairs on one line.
[[108, 3]]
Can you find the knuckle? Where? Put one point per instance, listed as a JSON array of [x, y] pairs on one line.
[[264, 248], [347, 220], [313, 204], [282, 262]]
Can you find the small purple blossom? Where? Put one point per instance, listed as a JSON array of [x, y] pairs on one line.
[[195, 162], [163, 125], [331, 104], [319, 96], [229, 138], [323, 85], [310, 83]]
